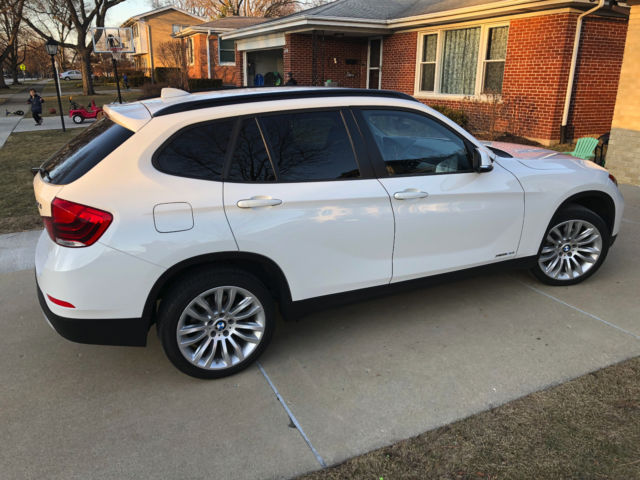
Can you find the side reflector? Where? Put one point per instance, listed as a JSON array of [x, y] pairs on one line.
[[613, 179], [62, 303]]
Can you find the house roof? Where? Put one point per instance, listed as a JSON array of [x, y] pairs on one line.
[[220, 25], [156, 11], [379, 16], [232, 23]]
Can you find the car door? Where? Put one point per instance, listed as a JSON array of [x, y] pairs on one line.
[[447, 215], [296, 192]]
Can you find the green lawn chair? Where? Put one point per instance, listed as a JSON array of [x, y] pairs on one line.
[[585, 148]]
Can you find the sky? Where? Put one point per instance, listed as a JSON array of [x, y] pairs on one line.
[[127, 9]]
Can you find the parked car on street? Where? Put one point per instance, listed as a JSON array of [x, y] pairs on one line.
[[200, 213], [71, 75]]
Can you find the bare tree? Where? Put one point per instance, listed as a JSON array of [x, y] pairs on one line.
[[229, 8], [78, 16], [10, 18], [173, 54]]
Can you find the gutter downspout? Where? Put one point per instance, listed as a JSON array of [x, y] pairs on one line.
[[208, 55], [572, 71]]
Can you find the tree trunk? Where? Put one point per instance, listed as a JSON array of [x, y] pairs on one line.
[[87, 81], [2, 82]]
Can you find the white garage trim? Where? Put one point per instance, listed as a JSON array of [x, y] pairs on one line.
[[273, 40]]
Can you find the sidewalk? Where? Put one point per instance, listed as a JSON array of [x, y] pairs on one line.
[[15, 101]]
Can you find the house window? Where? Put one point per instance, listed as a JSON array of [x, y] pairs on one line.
[[226, 52], [494, 59], [175, 28], [190, 51], [462, 61], [428, 63]]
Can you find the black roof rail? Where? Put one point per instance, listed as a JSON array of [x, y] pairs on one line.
[[287, 94]]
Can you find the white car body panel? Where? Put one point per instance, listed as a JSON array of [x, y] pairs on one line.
[[95, 282], [468, 219], [327, 237]]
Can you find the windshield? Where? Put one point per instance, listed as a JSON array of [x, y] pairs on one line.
[[84, 152]]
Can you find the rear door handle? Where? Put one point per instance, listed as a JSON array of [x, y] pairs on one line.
[[259, 201], [409, 194]]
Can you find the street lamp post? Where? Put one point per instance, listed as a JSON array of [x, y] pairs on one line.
[[52, 49]]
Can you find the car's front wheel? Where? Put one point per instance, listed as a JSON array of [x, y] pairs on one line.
[[216, 323], [573, 248]]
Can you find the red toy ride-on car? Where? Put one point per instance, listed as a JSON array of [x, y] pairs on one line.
[[78, 113]]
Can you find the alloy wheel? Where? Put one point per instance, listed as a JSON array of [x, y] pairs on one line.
[[570, 250], [220, 328]]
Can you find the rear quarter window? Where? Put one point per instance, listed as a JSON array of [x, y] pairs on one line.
[[84, 152]]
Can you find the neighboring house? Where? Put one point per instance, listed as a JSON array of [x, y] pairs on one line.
[[151, 29], [448, 52], [207, 56], [623, 157]]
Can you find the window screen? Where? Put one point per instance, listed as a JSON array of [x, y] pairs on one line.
[[413, 144], [197, 152], [311, 146], [250, 162]]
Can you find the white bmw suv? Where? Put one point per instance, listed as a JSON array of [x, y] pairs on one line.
[[200, 213]]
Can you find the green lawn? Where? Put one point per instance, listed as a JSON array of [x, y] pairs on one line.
[[588, 428], [22, 151]]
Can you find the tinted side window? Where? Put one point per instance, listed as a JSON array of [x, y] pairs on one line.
[[197, 152], [250, 161], [414, 144], [310, 146], [84, 152]]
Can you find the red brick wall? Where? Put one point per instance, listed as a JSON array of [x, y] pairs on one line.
[[230, 75], [399, 62], [597, 76], [331, 59]]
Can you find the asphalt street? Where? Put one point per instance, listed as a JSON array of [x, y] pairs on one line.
[[348, 379]]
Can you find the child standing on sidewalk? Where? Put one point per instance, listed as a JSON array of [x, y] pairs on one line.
[[36, 102]]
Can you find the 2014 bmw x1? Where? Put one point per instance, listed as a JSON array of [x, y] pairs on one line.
[[202, 212]]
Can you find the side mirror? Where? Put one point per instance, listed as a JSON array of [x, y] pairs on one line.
[[482, 161]]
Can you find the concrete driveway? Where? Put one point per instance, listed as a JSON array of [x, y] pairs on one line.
[[349, 379]]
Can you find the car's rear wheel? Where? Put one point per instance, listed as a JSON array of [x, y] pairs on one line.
[[573, 248], [216, 323]]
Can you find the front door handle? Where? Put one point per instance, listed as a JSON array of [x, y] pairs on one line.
[[409, 194], [259, 201]]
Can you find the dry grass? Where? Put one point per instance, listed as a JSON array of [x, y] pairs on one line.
[[22, 151], [588, 428]]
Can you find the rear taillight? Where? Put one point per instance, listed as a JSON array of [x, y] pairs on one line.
[[613, 179], [75, 225]]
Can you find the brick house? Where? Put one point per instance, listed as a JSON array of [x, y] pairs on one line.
[[151, 29], [210, 57], [506, 60]]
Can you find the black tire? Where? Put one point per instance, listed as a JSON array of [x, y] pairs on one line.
[[580, 213], [66, 79], [184, 292], [77, 119]]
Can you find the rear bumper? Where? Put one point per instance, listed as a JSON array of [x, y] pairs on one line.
[[113, 331]]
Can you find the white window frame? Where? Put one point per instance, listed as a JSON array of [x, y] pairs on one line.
[[191, 54], [379, 67], [480, 68], [235, 54]]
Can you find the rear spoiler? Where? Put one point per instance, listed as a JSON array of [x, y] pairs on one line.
[[132, 116]]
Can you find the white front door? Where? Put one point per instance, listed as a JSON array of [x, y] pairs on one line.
[[447, 216], [303, 204]]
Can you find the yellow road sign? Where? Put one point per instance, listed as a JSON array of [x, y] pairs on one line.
[[23, 67]]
